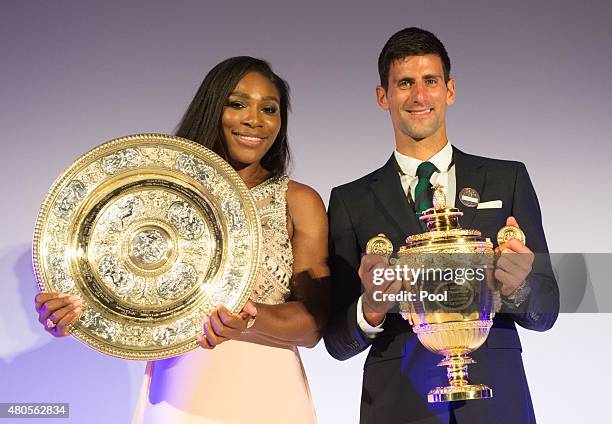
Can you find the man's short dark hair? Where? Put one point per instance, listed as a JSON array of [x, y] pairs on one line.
[[411, 42]]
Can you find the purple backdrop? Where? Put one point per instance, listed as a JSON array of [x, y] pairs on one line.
[[532, 85]]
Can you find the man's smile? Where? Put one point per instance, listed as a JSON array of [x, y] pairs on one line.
[[420, 113]]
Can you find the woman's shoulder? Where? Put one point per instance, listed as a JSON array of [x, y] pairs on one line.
[[302, 193], [303, 201], [307, 215]]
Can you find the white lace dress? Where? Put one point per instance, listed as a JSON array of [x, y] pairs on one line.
[[238, 382]]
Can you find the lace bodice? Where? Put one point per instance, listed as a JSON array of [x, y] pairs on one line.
[[272, 284]]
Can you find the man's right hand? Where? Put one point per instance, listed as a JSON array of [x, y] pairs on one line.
[[374, 311]]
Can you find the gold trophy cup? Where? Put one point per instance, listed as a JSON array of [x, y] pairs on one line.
[[451, 298]]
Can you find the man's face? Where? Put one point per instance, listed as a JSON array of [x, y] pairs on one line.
[[417, 97]]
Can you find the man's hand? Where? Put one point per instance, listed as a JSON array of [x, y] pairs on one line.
[[374, 311], [513, 264]]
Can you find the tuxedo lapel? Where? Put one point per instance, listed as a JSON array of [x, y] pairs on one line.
[[387, 187], [469, 174]]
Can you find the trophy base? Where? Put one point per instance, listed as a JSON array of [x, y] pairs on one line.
[[453, 393]]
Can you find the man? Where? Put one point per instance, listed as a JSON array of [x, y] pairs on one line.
[[416, 89]]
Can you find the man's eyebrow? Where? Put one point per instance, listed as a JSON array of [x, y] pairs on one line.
[[246, 96], [408, 79], [426, 76]]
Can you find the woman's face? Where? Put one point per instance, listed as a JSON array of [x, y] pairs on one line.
[[251, 118]]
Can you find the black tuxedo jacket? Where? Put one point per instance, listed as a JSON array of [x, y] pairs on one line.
[[399, 371]]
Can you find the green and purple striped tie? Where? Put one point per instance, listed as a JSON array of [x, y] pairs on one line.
[[423, 193]]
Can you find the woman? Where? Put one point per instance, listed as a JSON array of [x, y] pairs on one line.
[[248, 369]]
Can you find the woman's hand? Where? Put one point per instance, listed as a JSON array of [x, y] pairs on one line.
[[58, 311], [222, 325]]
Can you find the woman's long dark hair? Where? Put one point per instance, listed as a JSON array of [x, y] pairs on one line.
[[202, 120]]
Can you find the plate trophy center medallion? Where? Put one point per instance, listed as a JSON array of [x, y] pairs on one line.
[[150, 248]]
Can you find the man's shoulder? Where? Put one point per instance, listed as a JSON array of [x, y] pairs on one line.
[[497, 169], [494, 163]]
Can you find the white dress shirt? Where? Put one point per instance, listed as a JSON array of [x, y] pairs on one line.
[[445, 176], [443, 160]]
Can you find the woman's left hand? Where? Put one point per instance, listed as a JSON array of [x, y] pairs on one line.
[[221, 325]]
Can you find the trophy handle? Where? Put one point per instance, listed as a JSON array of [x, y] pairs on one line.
[[503, 235], [380, 245]]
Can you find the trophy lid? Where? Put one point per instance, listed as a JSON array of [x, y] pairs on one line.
[[440, 217], [442, 222]]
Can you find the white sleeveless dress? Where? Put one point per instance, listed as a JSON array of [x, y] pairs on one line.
[[238, 382]]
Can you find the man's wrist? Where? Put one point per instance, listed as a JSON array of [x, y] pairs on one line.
[[370, 331], [374, 318], [518, 288], [518, 295]]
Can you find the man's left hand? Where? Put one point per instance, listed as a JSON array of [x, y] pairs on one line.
[[513, 264]]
